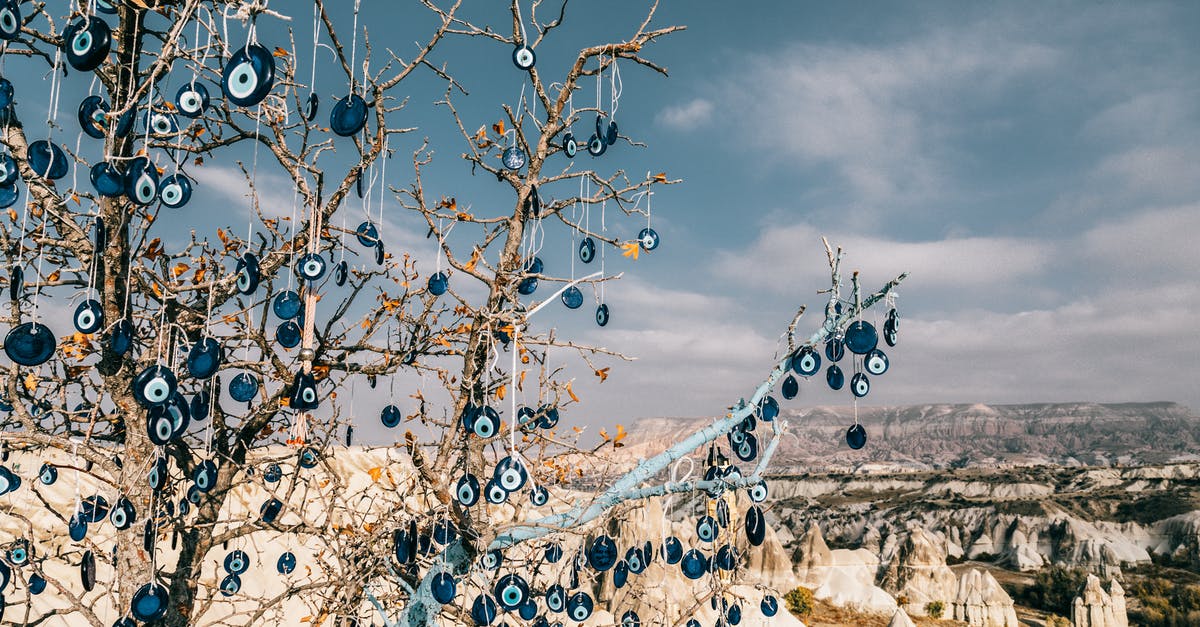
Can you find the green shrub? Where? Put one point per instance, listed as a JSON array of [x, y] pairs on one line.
[[935, 609], [799, 602], [1053, 589], [1054, 620]]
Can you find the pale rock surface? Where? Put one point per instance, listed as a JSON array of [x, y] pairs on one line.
[[920, 573], [900, 619], [981, 546], [842, 577], [1096, 608], [982, 602]]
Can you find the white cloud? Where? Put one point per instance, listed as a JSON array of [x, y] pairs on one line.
[[687, 116], [875, 115], [1149, 246], [972, 263]]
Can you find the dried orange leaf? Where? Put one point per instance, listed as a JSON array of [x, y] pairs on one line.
[[571, 393]]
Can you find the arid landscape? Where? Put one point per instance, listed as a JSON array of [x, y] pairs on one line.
[[996, 515]]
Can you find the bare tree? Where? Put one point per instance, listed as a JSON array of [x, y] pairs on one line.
[[192, 398]]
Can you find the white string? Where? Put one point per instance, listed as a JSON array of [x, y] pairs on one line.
[[312, 83], [615, 85], [354, 46]]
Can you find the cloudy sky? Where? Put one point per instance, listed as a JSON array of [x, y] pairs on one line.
[[1033, 165]]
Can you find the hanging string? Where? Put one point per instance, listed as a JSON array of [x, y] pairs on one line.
[[615, 86], [354, 46], [312, 83]]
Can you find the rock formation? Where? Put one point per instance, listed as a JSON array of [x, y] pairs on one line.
[[842, 577], [1096, 608], [982, 602], [919, 574], [900, 619]]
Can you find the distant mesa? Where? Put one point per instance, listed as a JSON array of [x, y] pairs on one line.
[[933, 437]]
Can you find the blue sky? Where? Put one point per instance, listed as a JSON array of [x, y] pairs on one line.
[[1031, 164]]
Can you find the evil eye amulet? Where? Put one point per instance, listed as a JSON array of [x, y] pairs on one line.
[[580, 606], [495, 493], [204, 358], [153, 386], [107, 180], [89, 316], [175, 191], [236, 562], [443, 587], [572, 297], [289, 334], [513, 158], [524, 58], [861, 337], [342, 271], [511, 474], [860, 385], [367, 234], [527, 286], [312, 106], [247, 274], [243, 387], [92, 116], [10, 20], [390, 416], [806, 362], [570, 146], [47, 160], [602, 553], [149, 603], [141, 181], [876, 362], [889, 332], [596, 146], [790, 388], [487, 423], [205, 475], [587, 250], [438, 283], [511, 591], [311, 267], [467, 491], [86, 43], [834, 349], [248, 76], [9, 196], [191, 100], [303, 395], [160, 123], [602, 315], [856, 436], [8, 169], [759, 492], [648, 238], [348, 116], [834, 377]]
